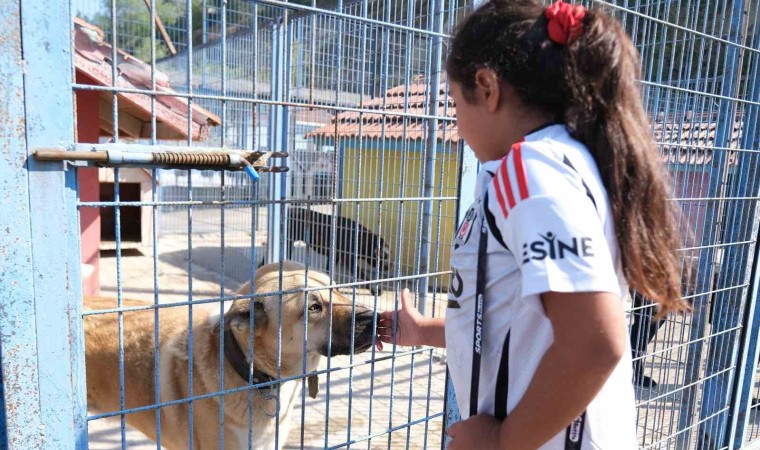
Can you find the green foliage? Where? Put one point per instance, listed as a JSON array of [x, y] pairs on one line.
[[133, 24], [133, 21]]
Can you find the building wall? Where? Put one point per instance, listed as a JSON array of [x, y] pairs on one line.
[[88, 131], [401, 177], [687, 184]]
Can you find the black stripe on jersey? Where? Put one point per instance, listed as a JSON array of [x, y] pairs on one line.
[[585, 186], [502, 382], [491, 221]]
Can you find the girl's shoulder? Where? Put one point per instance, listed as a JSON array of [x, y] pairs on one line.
[[540, 168]]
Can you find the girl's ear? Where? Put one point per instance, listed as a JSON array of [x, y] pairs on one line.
[[488, 89]]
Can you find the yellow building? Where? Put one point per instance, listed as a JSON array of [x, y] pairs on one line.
[[381, 169]]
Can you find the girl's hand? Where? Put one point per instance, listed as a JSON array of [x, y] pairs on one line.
[[408, 327], [479, 432]]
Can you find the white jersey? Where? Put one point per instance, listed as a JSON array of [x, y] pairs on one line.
[[550, 228]]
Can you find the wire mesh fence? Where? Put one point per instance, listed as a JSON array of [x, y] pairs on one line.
[[354, 92]]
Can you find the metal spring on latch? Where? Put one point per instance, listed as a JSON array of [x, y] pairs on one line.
[[171, 158]]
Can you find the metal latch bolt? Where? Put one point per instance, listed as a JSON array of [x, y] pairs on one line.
[[165, 157]]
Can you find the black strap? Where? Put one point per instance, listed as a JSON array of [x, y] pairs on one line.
[[236, 358], [480, 289], [574, 433]]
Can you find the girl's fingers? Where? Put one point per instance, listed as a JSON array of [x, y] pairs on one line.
[[406, 300]]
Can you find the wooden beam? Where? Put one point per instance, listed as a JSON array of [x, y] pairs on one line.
[[162, 29], [128, 124]]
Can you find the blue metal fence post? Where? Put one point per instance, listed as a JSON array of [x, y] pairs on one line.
[[726, 120], [278, 136], [40, 281], [431, 151], [728, 304], [17, 342], [745, 378]]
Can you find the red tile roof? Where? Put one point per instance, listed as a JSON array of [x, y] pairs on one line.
[[692, 141], [92, 59], [689, 142], [387, 124]]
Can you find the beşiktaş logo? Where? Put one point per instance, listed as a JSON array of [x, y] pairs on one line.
[[551, 247], [465, 229]]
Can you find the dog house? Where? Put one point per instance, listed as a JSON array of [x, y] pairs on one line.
[[135, 185], [94, 119], [383, 156]]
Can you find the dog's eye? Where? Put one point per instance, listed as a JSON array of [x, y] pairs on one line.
[[315, 308]]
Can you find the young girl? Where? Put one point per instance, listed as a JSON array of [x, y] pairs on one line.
[[570, 208]]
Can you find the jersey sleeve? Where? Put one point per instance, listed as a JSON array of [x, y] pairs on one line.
[[550, 224]]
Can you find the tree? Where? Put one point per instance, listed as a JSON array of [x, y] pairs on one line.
[[133, 22]]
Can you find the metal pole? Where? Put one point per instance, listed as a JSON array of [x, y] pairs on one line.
[[431, 150], [277, 135], [746, 377], [726, 118], [40, 321], [204, 39]]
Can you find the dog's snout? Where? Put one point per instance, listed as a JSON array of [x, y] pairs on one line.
[[363, 332]]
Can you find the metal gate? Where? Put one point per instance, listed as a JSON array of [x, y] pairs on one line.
[[168, 97]]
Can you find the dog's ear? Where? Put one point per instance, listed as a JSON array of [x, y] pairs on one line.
[[240, 315]]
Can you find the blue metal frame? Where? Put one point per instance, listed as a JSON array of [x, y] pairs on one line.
[[726, 119], [41, 325], [278, 136], [17, 342], [431, 150], [745, 379], [740, 226]]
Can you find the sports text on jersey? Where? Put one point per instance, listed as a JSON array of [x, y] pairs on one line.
[[479, 325], [551, 247]]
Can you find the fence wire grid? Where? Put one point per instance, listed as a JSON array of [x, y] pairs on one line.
[[354, 92]]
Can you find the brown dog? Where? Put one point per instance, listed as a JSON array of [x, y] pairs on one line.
[[102, 359]]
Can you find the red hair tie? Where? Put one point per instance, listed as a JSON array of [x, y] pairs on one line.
[[565, 22]]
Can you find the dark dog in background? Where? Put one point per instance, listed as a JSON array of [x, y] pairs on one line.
[[353, 242]]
